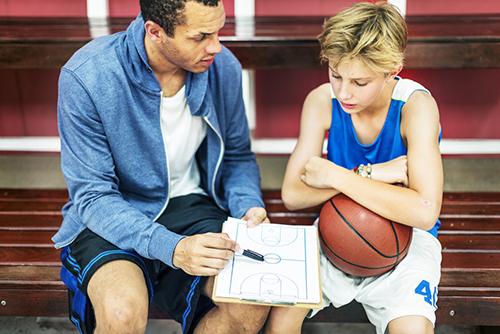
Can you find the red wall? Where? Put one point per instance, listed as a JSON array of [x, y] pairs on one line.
[[130, 8], [448, 7], [43, 8], [37, 8], [28, 101], [413, 7], [468, 100], [300, 7]]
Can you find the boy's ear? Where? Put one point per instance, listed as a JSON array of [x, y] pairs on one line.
[[394, 73]]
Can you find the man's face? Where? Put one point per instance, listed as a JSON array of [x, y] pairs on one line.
[[196, 42]]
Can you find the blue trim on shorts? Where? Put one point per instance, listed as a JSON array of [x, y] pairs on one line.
[[188, 301], [69, 260], [76, 323], [81, 276]]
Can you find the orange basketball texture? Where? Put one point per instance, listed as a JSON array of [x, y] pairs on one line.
[[358, 241]]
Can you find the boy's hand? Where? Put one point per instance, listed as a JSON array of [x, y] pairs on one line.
[[204, 254], [256, 216], [392, 171], [318, 173]]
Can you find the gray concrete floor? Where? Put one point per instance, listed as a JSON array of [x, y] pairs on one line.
[[25, 325]]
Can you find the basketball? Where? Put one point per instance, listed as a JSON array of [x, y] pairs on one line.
[[358, 241]]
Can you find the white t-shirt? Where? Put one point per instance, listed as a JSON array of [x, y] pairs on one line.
[[182, 136]]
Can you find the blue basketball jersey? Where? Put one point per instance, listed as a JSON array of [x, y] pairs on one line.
[[344, 148]]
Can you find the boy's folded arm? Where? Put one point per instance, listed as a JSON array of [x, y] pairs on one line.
[[315, 121]]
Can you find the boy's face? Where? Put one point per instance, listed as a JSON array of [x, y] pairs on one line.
[[196, 42], [355, 85]]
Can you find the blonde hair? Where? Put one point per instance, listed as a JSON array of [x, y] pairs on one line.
[[376, 33]]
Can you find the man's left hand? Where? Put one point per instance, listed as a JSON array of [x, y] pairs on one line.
[[256, 216]]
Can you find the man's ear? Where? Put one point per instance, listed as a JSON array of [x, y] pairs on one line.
[[154, 31]]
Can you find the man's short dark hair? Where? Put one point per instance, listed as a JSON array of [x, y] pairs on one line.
[[168, 13]]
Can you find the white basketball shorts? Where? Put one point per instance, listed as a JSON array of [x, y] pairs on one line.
[[409, 289]]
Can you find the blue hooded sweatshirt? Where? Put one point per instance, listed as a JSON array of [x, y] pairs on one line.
[[112, 152]]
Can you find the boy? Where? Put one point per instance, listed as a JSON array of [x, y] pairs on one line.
[[389, 128]]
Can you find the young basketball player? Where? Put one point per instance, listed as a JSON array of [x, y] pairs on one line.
[[383, 132]]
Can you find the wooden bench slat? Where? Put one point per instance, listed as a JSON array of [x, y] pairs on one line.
[[30, 206], [453, 279], [57, 194], [468, 310], [469, 259], [43, 238], [30, 221], [470, 241], [27, 238], [34, 302], [451, 258], [29, 256], [490, 292], [29, 273], [472, 277], [477, 223]]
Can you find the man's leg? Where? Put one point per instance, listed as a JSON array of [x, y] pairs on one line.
[[231, 318], [119, 295]]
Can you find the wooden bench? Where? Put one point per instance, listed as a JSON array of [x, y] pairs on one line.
[[462, 41], [469, 293]]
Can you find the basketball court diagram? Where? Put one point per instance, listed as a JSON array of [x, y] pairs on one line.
[[289, 271]]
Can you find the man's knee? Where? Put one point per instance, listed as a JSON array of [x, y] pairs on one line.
[[247, 318], [121, 315], [119, 297]]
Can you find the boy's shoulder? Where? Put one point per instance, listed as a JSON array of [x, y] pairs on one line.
[[321, 94]]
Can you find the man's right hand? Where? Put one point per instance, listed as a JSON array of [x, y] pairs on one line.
[[204, 254]]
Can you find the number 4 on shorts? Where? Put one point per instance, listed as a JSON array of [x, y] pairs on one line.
[[424, 289]]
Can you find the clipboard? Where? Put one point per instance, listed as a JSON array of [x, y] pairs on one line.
[[289, 274]]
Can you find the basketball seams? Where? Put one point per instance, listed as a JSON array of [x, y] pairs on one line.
[[358, 234], [397, 242], [350, 263]]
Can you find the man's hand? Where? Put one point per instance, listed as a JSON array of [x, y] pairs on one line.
[[318, 173], [256, 216], [204, 254], [392, 171]]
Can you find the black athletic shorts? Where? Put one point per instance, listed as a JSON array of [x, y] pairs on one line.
[[173, 291]]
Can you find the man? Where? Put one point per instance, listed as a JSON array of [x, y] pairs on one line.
[[156, 154]]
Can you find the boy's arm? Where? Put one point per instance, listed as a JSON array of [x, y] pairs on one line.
[[315, 121]]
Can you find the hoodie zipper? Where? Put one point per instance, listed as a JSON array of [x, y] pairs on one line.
[[221, 154], [166, 158]]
